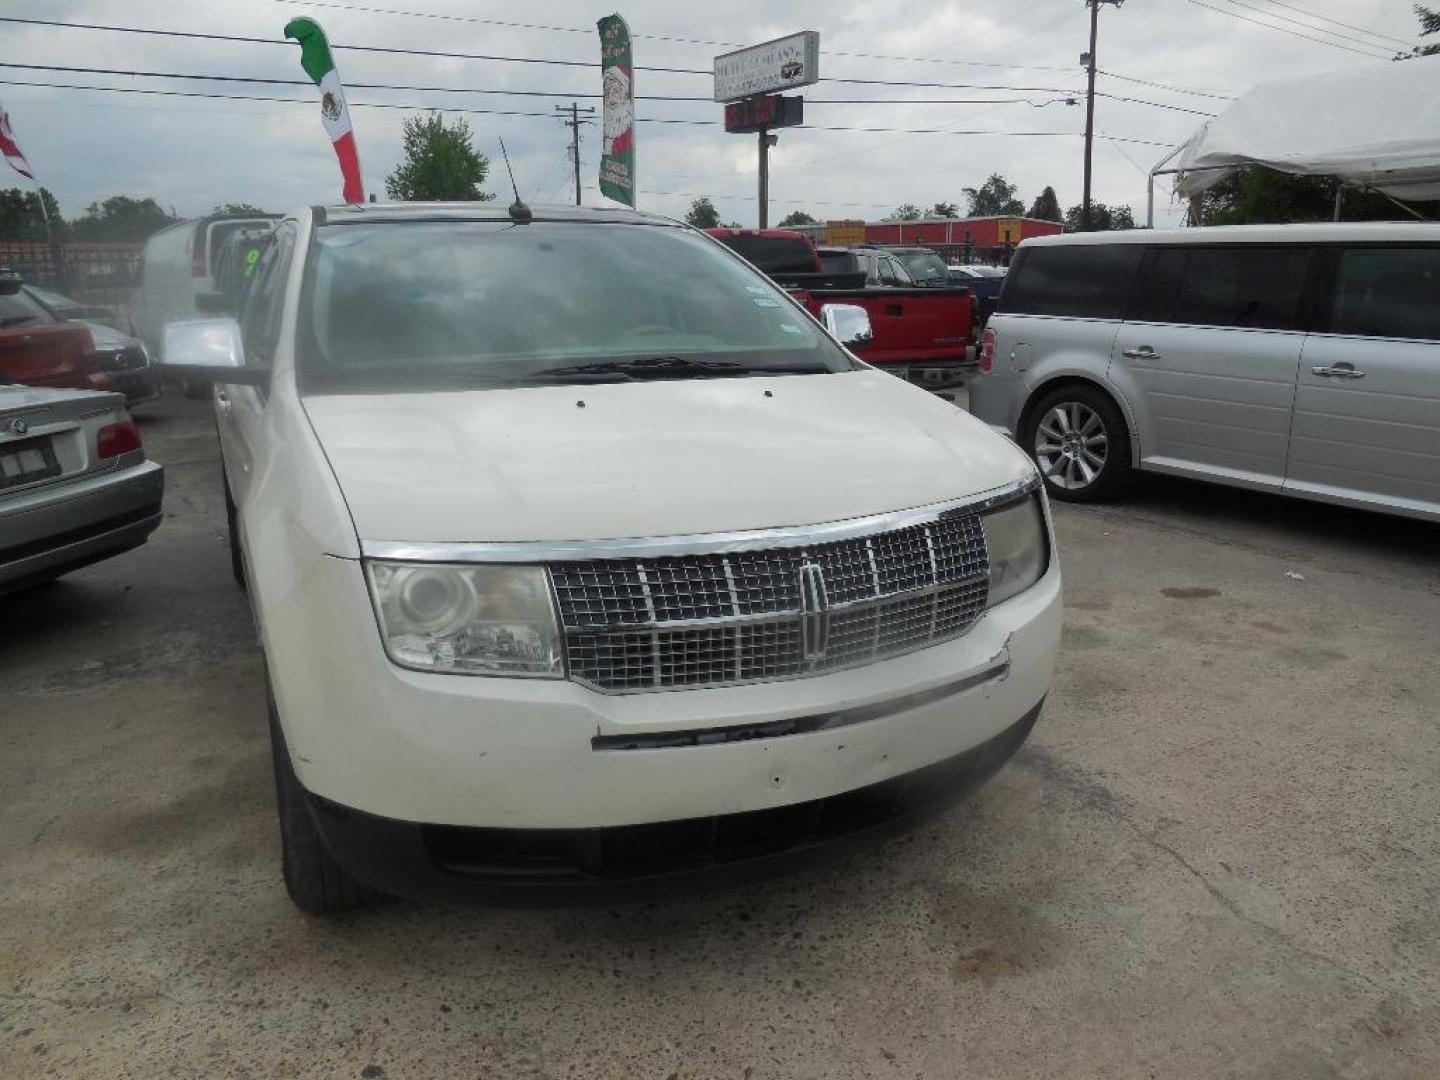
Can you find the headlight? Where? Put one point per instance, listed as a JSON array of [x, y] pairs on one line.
[[1018, 547], [469, 620]]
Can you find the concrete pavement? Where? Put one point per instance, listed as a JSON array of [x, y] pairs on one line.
[[1218, 856]]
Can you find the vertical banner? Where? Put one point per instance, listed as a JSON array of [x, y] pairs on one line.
[[334, 113], [11, 149], [617, 76]]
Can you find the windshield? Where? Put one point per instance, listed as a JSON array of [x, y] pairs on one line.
[[925, 267], [418, 304], [774, 254], [220, 231], [18, 309]]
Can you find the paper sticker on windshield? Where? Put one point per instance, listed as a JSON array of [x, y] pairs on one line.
[[789, 328], [757, 290], [765, 301]]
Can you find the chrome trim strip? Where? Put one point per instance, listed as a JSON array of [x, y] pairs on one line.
[[761, 618], [803, 725], [656, 547]]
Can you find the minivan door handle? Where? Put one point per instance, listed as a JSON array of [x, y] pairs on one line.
[[1144, 352], [1339, 371]]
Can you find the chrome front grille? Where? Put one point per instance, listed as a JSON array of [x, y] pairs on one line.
[[710, 620]]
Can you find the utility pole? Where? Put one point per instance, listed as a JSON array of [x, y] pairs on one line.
[[577, 115], [1088, 60], [767, 140]]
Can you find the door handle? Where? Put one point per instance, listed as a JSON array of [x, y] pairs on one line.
[[1339, 371], [1144, 352]]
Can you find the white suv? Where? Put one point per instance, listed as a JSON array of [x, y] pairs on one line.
[[579, 552]]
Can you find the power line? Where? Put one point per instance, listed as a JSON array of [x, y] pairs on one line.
[[518, 112], [1348, 26], [1290, 20], [268, 81], [1166, 86], [370, 10], [1281, 29], [396, 50]]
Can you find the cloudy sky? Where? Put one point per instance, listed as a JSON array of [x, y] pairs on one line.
[[1007, 67]]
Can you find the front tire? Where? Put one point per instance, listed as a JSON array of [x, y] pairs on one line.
[[1078, 438], [317, 884]]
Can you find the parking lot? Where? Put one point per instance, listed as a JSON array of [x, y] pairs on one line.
[[1217, 855]]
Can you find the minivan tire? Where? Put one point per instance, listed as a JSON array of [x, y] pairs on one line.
[[1082, 423], [317, 884]]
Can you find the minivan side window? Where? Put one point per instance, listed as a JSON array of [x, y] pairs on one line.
[[1387, 292], [1236, 286], [260, 321], [1083, 281]]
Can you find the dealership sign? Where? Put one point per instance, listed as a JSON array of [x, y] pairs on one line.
[[781, 64]]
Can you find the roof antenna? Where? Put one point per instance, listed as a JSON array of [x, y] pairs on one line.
[[519, 212]]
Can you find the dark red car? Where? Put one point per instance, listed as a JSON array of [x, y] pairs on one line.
[[36, 350]]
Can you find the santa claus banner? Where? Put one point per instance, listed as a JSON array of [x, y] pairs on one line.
[[617, 74]]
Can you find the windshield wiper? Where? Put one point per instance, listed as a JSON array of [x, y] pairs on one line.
[[672, 367]]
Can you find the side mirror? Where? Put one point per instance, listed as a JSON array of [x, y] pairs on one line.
[[10, 282], [212, 303], [848, 324], [208, 351]]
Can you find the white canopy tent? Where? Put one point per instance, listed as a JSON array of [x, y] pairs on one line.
[[1376, 126]]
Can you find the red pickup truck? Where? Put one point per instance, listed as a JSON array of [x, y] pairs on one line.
[[37, 350], [926, 335]]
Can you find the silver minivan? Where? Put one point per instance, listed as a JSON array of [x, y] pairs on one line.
[[1300, 359]]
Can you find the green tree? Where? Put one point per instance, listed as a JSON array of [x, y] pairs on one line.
[[1258, 195], [249, 209], [994, 198], [905, 212], [1046, 206], [797, 217], [702, 214], [121, 219], [21, 219], [945, 209], [440, 163], [1102, 218], [1429, 24]]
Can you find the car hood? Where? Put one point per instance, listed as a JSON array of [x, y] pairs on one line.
[[107, 337], [661, 458]]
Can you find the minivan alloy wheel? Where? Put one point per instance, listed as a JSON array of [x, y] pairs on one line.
[[1071, 445]]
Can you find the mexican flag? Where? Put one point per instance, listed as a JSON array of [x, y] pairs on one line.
[[315, 59]]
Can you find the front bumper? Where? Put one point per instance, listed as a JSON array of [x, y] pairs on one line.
[[449, 863], [547, 754], [69, 524]]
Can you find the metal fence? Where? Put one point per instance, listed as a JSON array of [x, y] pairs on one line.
[[94, 274]]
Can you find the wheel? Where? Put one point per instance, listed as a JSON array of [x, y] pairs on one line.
[[237, 563], [317, 884], [1079, 440]]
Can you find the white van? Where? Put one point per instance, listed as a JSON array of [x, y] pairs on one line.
[[177, 268], [580, 552], [1299, 359]]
